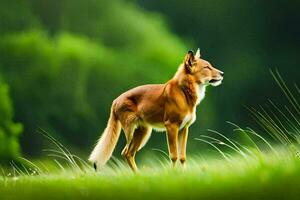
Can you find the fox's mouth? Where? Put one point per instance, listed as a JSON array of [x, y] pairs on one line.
[[215, 82]]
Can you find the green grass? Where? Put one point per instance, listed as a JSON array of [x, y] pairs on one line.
[[252, 169], [265, 177]]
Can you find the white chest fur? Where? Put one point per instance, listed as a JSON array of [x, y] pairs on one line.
[[200, 93], [188, 120]]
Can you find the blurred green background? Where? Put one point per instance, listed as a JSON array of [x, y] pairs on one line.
[[63, 62]]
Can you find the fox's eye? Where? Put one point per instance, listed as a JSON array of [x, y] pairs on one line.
[[206, 67]]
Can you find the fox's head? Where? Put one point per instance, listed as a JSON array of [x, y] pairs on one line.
[[201, 70]]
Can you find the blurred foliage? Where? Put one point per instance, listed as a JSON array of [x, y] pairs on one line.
[[65, 61], [9, 130], [65, 73]]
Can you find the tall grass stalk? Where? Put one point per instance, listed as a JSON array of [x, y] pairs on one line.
[[283, 124]]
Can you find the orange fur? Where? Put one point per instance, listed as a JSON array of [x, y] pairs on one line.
[[170, 107]]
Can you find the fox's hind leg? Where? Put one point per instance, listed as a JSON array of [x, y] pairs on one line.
[[129, 131], [129, 124], [140, 137]]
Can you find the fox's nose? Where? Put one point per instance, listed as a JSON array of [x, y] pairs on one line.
[[222, 73]]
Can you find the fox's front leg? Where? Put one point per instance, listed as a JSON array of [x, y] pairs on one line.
[[172, 136], [183, 136]]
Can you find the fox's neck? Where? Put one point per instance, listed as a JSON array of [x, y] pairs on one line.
[[193, 92]]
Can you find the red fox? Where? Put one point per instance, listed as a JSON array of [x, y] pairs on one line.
[[169, 107]]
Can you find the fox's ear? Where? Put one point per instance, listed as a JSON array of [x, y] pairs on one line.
[[198, 55], [188, 61]]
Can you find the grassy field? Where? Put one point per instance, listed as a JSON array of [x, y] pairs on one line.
[[252, 169], [234, 171], [264, 176]]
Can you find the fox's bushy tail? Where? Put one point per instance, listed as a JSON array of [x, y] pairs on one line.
[[107, 142]]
